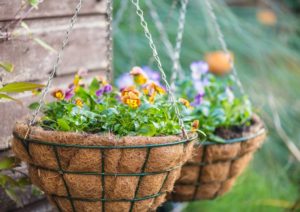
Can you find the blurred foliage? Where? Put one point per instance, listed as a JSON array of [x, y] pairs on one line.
[[268, 61]]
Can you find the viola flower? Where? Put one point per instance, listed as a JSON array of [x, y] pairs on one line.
[[198, 100], [132, 100], [130, 89], [185, 103], [69, 93], [139, 76], [152, 75], [58, 94], [79, 102], [125, 80], [151, 89], [105, 89], [198, 69], [195, 126]]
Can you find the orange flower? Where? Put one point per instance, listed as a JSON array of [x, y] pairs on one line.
[[267, 17], [58, 94], [195, 125], [219, 62], [139, 76], [132, 100], [79, 102], [130, 89], [151, 89], [185, 103]]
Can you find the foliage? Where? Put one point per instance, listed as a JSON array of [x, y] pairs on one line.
[[213, 100], [141, 110]]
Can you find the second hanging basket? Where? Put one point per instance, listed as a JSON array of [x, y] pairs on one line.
[[214, 167], [93, 172]]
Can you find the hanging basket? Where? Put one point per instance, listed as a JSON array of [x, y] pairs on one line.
[[92, 172], [214, 167]]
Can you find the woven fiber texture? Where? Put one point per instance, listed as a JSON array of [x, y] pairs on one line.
[[92, 172], [214, 168]]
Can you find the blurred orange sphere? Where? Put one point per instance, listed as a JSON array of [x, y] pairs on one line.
[[219, 62], [266, 17]]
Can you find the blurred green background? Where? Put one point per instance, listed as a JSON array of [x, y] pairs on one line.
[[268, 63]]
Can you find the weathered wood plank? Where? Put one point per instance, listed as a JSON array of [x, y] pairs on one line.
[[33, 62], [10, 112], [51, 8]]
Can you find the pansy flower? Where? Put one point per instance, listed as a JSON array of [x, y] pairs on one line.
[[130, 89], [185, 103], [152, 75], [139, 76], [58, 94], [151, 89], [131, 98], [105, 89], [195, 125], [69, 93], [79, 102], [198, 100], [198, 68], [125, 80]]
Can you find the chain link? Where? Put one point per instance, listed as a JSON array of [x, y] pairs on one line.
[[177, 50], [223, 44], [55, 67], [148, 35], [109, 39]]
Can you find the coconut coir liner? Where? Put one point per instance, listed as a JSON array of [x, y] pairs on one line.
[[206, 176], [90, 160]]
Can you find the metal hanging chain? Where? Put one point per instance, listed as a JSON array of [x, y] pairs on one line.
[[160, 29], [223, 44], [55, 67], [148, 35], [109, 39], [181, 24]]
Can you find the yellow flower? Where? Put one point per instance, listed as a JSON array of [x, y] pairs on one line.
[[151, 89], [76, 80], [132, 100], [102, 80], [195, 125], [79, 102], [185, 103], [58, 94], [130, 89], [139, 76]]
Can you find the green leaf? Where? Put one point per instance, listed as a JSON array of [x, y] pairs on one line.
[[94, 86], [14, 196], [147, 130], [5, 180], [9, 162], [4, 96], [33, 3], [33, 106], [23, 181], [216, 138], [44, 45], [17, 87], [9, 67], [63, 125]]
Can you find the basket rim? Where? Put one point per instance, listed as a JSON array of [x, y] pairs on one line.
[[47, 143], [236, 140]]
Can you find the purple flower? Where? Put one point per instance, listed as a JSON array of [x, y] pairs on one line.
[[106, 89], [153, 75], [198, 100], [124, 81], [69, 93], [198, 69]]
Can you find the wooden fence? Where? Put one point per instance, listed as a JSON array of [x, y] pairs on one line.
[[33, 60]]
